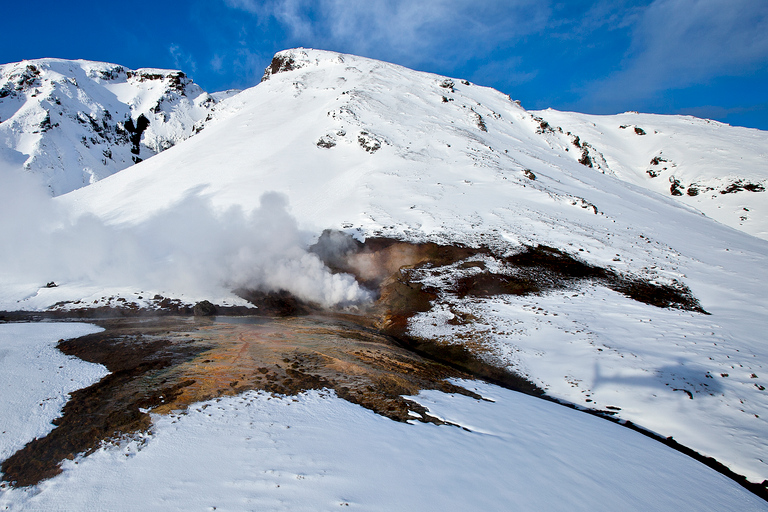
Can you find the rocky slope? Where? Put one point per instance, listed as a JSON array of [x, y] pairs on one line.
[[76, 122], [718, 169]]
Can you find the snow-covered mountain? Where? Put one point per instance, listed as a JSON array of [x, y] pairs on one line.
[[331, 141], [76, 122]]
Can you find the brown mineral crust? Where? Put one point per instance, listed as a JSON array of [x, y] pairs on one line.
[[170, 363]]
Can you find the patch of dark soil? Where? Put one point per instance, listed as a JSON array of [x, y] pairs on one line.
[[280, 303], [555, 263], [659, 295], [136, 354], [487, 284], [549, 268], [461, 358], [400, 299]]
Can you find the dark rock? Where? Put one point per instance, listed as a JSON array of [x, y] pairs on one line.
[[279, 64], [675, 188], [204, 308]]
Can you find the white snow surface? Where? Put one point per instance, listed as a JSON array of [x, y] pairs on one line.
[[68, 118], [36, 379], [706, 159], [315, 451], [376, 149]]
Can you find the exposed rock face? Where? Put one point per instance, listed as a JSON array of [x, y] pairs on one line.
[[286, 60]]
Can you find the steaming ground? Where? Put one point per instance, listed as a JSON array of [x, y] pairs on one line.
[[338, 142], [190, 250]]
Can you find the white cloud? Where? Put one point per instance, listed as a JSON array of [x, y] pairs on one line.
[[679, 43], [402, 30]]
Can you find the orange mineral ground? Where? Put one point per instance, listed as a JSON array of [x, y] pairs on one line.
[[289, 355], [161, 365]]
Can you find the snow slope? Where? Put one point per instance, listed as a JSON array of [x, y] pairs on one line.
[[77, 122], [718, 169], [318, 452], [377, 149]]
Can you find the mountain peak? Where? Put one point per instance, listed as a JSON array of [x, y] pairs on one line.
[[298, 58]]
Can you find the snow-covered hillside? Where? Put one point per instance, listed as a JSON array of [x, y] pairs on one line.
[[718, 169], [76, 122], [371, 148]]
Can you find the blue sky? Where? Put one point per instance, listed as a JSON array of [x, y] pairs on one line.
[[707, 58]]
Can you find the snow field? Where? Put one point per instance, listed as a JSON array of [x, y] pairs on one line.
[[437, 175], [676, 373], [315, 451], [707, 154]]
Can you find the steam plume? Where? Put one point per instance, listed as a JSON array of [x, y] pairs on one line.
[[189, 248]]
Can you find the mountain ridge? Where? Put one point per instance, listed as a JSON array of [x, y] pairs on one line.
[[703, 167], [78, 121]]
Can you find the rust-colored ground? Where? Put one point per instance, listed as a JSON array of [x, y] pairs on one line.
[[166, 364]]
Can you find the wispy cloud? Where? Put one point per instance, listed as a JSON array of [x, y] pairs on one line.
[[217, 63], [602, 56], [509, 72], [408, 32], [181, 59], [600, 16], [680, 43]]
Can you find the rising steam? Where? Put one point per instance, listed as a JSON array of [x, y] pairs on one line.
[[187, 249]]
